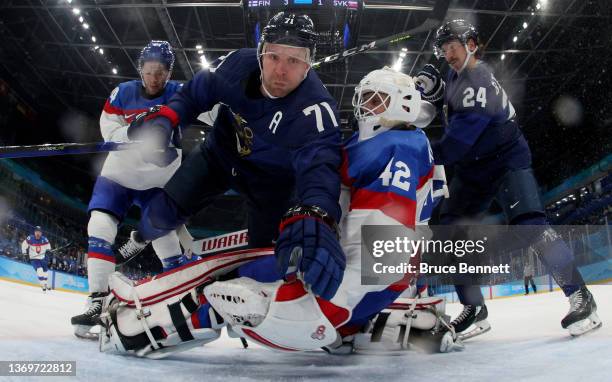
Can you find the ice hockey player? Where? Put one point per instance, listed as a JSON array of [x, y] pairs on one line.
[[36, 247], [275, 141], [128, 177], [492, 161], [529, 270], [388, 179]]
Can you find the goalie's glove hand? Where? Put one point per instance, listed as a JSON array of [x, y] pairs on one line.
[[430, 83], [308, 245], [156, 129]]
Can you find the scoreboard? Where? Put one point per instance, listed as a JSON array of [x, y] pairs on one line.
[[347, 4]]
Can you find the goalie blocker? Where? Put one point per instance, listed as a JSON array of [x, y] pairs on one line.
[[188, 307]]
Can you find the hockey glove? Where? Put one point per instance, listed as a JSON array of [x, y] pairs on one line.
[[309, 246], [430, 83], [156, 129]]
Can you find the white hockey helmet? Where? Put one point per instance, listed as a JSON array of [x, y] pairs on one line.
[[400, 101]]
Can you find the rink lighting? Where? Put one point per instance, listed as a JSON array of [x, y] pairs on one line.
[[204, 62], [402, 54], [398, 65], [93, 38], [532, 13], [76, 11], [69, 1], [525, 25], [198, 47], [514, 39], [81, 19], [404, 49], [503, 56], [538, 6], [114, 71], [101, 51], [86, 26], [200, 51]]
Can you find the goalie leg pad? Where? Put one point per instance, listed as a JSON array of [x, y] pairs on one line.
[[280, 316], [406, 323], [156, 330]]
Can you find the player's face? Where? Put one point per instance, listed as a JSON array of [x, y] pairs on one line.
[[375, 103], [154, 75], [37, 234], [454, 54], [284, 68]]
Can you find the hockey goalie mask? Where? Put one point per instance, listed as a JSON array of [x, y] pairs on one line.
[[385, 98]]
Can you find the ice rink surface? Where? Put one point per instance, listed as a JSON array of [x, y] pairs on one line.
[[526, 343]]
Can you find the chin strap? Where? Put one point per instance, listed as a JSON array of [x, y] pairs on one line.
[[467, 58], [266, 90]]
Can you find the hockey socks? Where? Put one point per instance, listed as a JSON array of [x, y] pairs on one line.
[[100, 264]]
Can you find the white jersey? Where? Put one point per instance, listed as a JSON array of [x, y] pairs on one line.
[[35, 248], [127, 167]]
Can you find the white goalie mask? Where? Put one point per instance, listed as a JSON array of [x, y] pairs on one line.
[[386, 98]]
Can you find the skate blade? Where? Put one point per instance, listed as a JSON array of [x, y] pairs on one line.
[[481, 328], [84, 332], [584, 326]]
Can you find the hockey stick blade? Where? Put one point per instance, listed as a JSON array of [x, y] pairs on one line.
[[435, 19]]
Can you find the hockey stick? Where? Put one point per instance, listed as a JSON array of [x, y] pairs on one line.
[[434, 20], [54, 250], [52, 149]]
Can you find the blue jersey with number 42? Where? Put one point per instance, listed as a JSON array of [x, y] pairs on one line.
[[394, 173]]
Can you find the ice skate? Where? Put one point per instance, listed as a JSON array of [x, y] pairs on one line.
[[471, 322], [130, 248], [83, 323], [582, 316]]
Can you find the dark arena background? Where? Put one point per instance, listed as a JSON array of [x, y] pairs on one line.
[[60, 60]]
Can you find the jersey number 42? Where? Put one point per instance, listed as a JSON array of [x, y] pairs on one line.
[[396, 174]]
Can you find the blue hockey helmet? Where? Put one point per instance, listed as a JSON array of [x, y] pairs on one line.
[[290, 29], [159, 51], [458, 29]]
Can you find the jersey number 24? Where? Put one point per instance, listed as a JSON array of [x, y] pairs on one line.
[[468, 97]]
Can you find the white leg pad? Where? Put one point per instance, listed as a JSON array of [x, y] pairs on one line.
[[276, 320]]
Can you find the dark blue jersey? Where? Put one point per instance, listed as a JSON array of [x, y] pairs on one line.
[[292, 141], [481, 135]]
